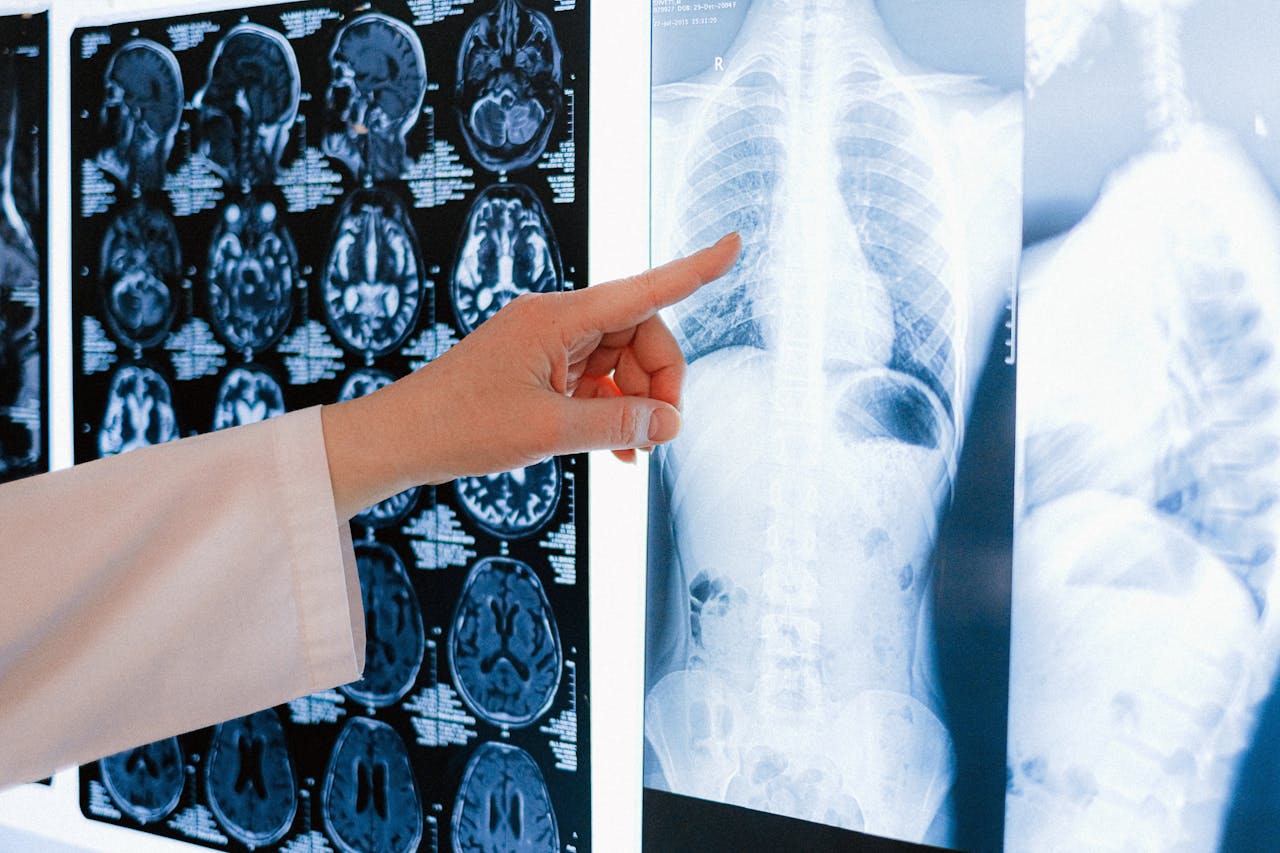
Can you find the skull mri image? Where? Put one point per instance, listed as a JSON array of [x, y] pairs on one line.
[[140, 112], [504, 646], [146, 782], [250, 779], [831, 375], [514, 503], [372, 283], [510, 88], [507, 249], [379, 79], [139, 411], [248, 106], [503, 804], [140, 265], [370, 801], [251, 274], [394, 634], [247, 395], [396, 507]]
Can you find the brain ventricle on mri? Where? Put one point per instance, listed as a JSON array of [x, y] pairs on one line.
[[277, 208]]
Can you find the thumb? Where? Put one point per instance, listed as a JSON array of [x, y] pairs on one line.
[[614, 423]]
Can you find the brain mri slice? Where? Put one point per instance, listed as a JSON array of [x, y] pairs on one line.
[[509, 86], [249, 778], [395, 507], [513, 503], [140, 113], [139, 411], [375, 97], [504, 645], [146, 782], [249, 103], [252, 274], [247, 395], [507, 248], [394, 635], [373, 279], [140, 266], [370, 800], [503, 804]]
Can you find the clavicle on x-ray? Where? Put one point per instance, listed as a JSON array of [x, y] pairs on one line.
[[1145, 636], [831, 374]]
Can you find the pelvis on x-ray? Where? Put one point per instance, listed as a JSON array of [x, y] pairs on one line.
[[252, 273], [831, 372], [372, 283], [140, 267], [379, 79], [141, 109], [248, 104], [509, 86]]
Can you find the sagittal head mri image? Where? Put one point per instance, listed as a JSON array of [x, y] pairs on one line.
[[248, 105], [509, 89], [1148, 427], [831, 377], [247, 395], [394, 634], [507, 249], [146, 782], [514, 503], [396, 507], [379, 79], [140, 267], [249, 778], [252, 273], [139, 411], [503, 804], [370, 800], [373, 278], [141, 109], [504, 646]]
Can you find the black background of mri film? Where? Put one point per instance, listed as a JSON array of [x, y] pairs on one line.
[[437, 541], [24, 51]]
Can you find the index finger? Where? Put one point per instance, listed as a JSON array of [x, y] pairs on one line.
[[630, 301]]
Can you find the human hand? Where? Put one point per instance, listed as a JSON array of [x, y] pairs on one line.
[[549, 374]]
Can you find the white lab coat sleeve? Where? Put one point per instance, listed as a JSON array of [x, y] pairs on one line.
[[171, 588]]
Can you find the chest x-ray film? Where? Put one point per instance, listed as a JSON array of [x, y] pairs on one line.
[[24, 397], [283, 206], [829, 551], [1145, 641]]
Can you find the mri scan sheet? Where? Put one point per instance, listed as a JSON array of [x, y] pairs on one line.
[[24, 397], [284, 206], [828, 560], [1145, 633]]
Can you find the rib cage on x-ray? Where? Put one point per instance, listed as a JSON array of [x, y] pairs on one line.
[[829, 382]]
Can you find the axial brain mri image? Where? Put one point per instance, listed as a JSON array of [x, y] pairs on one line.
[[247, 395], [370, 801], [146, 782], [248, 106], [503, 804], [252, 272], [504, 645], [140, 112], [140, 265], [249, 778], [395, 507], [394, 635], [507, 248], [509, 86], [513, 503], [139, 411], [375, 97], [373, 280]]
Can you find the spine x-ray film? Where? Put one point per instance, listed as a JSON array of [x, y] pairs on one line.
[[283, 206], [24, 290], [829, 534]]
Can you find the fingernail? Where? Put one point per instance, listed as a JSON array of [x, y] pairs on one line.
[[664, 425], [732, 235]]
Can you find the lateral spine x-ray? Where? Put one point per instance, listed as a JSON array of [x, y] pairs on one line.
[[278, 207]]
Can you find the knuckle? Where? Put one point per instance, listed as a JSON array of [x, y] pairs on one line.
[[627, 426]]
